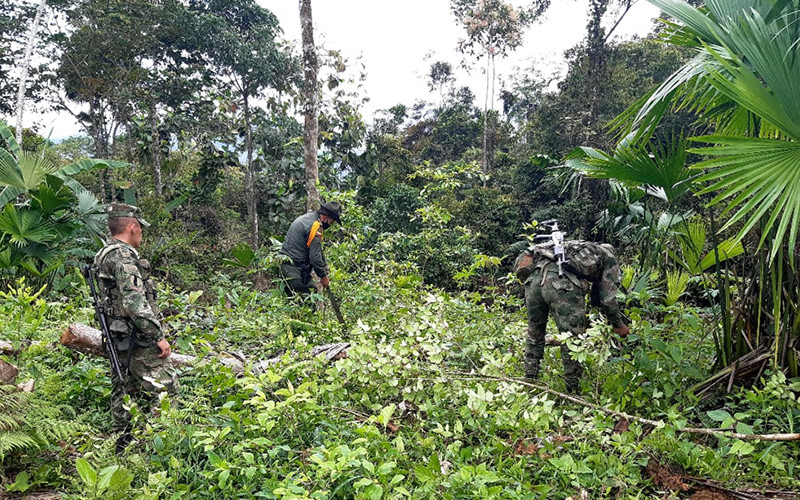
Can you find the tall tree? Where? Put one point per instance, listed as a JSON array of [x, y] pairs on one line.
[[597, 53], [14, 18], [494, 28], [244, 50], [25, 66], [310, 104]]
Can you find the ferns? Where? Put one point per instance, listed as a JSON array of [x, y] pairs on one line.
[[27, 423]]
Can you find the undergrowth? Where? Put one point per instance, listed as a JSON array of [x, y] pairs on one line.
[[427, 403]]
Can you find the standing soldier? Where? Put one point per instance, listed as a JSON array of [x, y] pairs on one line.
[[128, 294], [303, 246], [561, 289]]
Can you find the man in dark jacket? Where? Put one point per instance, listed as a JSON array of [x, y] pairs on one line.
[[303, 247]]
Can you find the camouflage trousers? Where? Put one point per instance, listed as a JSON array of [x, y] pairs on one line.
[[148, 375], [565, 300]]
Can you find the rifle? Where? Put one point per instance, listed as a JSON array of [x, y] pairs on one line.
[[108, 342]]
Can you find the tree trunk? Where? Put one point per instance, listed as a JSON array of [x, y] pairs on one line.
[[87, 340], [596, 53], [249, 174], [311, 129], [97, 132], [26, 64], [485, 162], [156, 150]]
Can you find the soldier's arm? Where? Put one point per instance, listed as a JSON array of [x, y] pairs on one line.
[[134, 301], [316, 256], [608, 286]]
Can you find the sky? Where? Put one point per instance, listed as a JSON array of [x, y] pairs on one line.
[[398, 40]]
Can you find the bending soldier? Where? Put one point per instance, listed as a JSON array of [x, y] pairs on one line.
[[303, 246], [128, 293], [586, 266]]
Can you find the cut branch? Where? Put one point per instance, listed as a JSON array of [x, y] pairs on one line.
[[654, 423]]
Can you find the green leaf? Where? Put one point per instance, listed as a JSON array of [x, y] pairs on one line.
[[11, 141], [719, 415], [87, 472], [105, 477], [741, 448]]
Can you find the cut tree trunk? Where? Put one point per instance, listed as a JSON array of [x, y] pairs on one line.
[[87, 340], [8, 372]]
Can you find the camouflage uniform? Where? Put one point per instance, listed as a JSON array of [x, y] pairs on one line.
[[304, 250], [564, 296], [128, 293]]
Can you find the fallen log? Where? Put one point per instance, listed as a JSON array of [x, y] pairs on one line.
[[8, 372], [88, 340]]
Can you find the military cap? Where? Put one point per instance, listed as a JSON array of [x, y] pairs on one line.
[[332, 209], [119, 210]]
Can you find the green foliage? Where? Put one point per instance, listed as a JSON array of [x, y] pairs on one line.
[[111, 482], [28, 424], [46, 214]]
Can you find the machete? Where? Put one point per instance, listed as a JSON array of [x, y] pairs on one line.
[[335, 305]]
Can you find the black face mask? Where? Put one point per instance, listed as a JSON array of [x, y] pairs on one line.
[[326, 225]]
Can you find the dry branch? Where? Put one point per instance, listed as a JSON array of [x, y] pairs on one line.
[[87, 340], [655, 423]]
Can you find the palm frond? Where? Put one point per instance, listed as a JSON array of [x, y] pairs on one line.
[[25, 226], [755, 177], [11, 141], [676, 285], [10, 173]]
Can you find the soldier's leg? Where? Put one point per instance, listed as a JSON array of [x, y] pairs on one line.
[[568, 307], [120, 415], [152, 376], [537, 310], [293, 280]]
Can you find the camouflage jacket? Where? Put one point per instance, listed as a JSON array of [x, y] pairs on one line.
[[594, 262], [296, 244], [128, 293]]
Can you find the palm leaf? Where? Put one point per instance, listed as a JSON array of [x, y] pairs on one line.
[[727, 249], [756, 177], [676, 285], [661, 170], [91, 212], [10, 173], [24, 227], [34, 169], [11, 141]]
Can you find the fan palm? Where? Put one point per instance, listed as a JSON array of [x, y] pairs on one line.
[[742, 80], [42, 206], [743, 83]]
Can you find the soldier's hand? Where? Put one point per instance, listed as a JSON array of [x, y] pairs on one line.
[[622, 330], [325, 282], [166, 350]]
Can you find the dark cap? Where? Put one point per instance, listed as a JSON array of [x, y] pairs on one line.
[[332, 209], [119, 210]]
